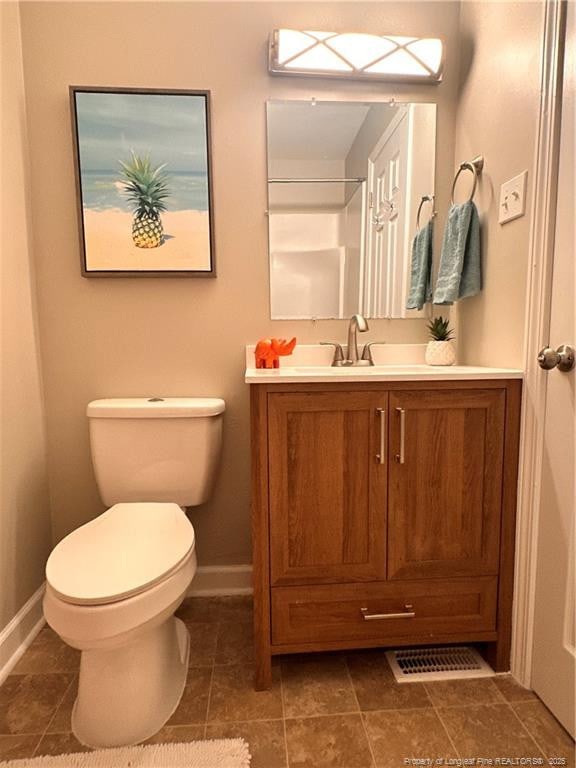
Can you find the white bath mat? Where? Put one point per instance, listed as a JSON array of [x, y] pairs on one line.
[[220, 753], [411, 665]]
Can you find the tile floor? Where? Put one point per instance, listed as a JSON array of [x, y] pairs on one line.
[[323, 711]]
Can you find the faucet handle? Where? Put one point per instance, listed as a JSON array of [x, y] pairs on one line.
[[367, 352], [338, 359]]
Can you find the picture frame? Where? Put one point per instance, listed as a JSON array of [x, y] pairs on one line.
[[143, 169]]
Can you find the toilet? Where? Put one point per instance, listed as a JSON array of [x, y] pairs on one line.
[[114, 584]]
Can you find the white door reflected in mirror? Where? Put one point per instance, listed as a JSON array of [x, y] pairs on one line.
[[345, 180]]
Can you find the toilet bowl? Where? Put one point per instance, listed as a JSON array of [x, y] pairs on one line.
[[112, 588], [114, 584]]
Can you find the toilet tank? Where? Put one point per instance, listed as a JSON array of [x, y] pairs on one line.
[[156, 449]]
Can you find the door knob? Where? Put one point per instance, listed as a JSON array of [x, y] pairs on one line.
[[562, 358]]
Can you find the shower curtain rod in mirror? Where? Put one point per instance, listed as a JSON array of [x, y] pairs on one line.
[[358, 180]]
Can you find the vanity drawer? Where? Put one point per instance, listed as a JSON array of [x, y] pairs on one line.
[[382, 611]]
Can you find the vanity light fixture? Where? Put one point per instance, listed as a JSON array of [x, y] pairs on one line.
[[355, 56]]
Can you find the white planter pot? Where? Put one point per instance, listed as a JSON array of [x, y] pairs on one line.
[[440, 353]]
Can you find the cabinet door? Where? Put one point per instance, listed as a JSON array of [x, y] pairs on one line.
[[327, 478], [445, 490]]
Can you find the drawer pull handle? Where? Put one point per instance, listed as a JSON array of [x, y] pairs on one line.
[[382, 415], [400, 458], [409, 613]]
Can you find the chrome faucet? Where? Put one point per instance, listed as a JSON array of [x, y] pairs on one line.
[[357, 323]]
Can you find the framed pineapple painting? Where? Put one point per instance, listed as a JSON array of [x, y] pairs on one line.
[[144, 182]]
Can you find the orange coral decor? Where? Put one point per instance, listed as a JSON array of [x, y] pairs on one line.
[[269, 351]]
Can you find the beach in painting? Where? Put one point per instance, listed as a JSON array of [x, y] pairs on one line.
[[109, 242], [108, 226]]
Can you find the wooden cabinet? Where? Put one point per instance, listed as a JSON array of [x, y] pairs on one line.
[[445, 495], [383, 514], [327, 491], [334, 613]]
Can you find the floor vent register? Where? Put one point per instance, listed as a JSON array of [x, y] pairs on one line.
[[411, 665]]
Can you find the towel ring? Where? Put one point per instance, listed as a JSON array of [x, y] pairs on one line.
[[425, 199], [475, 166]]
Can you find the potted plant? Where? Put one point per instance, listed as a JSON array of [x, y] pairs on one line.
[[440, 350]]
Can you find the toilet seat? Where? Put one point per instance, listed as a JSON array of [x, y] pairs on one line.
[[121, 553]]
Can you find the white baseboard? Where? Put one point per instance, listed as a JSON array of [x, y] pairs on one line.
[[20, 632], [214, 580]]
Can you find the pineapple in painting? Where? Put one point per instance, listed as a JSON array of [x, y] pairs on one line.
[[146, 188]]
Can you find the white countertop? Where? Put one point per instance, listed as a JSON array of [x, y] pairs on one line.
[[317, 374], [393, 362]]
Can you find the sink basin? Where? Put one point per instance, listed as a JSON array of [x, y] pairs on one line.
[[325, 373], [311, 363], [363, 370]]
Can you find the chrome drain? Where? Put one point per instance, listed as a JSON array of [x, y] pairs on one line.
[[411, 665]]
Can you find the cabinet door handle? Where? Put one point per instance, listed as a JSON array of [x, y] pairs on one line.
[[400, 457], [382, 416], [407, 613]]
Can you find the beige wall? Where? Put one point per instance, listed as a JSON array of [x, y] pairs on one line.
[[25, 535], [497, 117], [120, 337]]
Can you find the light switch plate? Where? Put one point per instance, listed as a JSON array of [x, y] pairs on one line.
[[513, 198]]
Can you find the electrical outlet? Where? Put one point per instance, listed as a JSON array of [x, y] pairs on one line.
[[513, 198]]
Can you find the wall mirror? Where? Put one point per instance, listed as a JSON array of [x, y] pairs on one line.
[[345, 182]]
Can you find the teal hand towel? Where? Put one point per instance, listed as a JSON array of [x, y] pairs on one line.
[[421, 274], [460, 273]]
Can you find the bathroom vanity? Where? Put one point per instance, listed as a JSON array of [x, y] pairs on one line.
[[383, 506]]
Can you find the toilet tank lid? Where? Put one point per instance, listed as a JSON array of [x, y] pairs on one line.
[[155, 407]]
